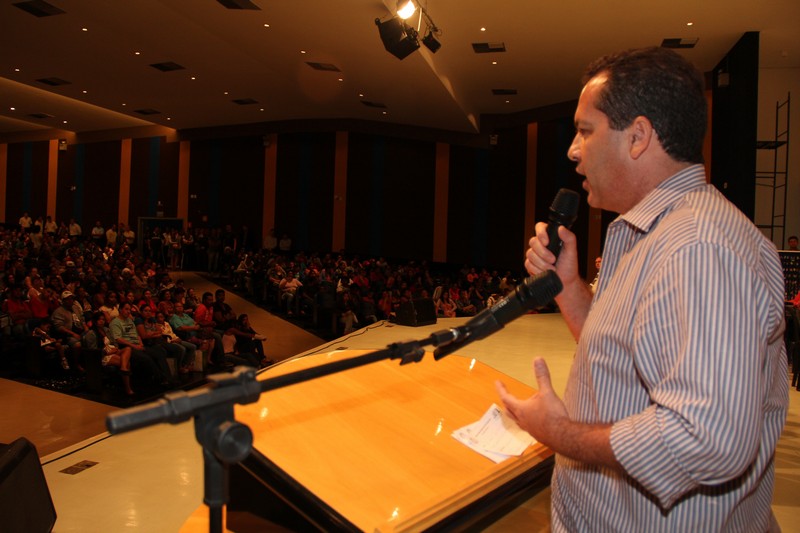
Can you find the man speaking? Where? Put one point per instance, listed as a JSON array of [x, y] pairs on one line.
[[678, 391]]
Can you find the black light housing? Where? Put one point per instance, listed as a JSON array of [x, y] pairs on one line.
[[431, 42], [398, 38]]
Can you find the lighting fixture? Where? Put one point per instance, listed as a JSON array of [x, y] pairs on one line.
[[398, 38], [401, 39], [405, 8], [431, 42]]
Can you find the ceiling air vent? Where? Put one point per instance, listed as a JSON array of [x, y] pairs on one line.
[[39, 8], [504, 92], [239, 4], [40, 115], [53, 82], [167, 66], [323, 66], [373, 104], [244, 101], [678, 43], [148, 111], [488, 48]]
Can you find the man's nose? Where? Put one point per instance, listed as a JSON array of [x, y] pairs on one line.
[[574, 153]]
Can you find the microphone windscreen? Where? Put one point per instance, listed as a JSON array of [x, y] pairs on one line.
[[564, 208]]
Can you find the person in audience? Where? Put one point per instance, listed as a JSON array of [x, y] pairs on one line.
[[69, 328], [172, 245], [153, 335], [50, 227], [111, 236], [123, 333], [148, 300], [173, 338], [129, 236], [75, 230], [39, 302], [288, 288], [190, 301], [214, 247], [204, 317], [223, 314], [49, 344], [19, 311], [25, 222], [110, 306], [593, 285], [792, 243], [97, 339], [464, 307], [446, 307], [98, 234]]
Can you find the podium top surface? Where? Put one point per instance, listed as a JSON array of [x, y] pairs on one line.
[[374, 442]]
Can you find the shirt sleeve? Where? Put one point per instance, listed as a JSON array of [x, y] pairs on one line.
[[699, 351]]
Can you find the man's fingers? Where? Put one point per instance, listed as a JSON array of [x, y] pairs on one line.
[[508, 399], [542, 374]]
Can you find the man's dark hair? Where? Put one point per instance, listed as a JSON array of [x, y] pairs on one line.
[[659, 84]]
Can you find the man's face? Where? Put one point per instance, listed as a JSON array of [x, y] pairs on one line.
[[793, 244], [598, 150]]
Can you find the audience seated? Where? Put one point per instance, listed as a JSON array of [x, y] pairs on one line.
[[67, 278]]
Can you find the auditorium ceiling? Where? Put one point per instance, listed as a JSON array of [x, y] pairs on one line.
[[186, 64]]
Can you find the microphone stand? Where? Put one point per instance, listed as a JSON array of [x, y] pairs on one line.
[[226, 441]]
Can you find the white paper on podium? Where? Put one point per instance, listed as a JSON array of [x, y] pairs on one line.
[[495, 436]]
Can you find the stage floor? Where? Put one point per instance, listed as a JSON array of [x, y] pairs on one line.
[[152, 479]]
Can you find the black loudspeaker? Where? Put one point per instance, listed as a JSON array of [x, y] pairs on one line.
[[417, 313], [25, 502]]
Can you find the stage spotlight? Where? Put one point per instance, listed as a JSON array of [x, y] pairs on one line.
[[398, 38], [431, 42], [405, 8]]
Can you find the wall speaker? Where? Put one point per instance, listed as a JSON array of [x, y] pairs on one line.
[[25, 502], [420, 312]]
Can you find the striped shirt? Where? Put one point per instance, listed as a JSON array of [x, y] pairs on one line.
[[683, 353]]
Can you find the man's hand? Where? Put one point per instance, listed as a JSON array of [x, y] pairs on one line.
[[545, 417], [538, 258], [543, 412]]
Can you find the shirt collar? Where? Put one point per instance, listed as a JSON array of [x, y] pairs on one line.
[[649, 209]]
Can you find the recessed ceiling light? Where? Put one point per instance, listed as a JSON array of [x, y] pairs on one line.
[[84, 29], [266, 25], [384, 113], [690, 23], [124, 104], [483, 29], [341, 79], [226, 92], [508, 101], [169, 118], [361, 95], [262, 109], [16, 70], [194, 78], [85, 91], [65, 122], [137, 53], [13, 108], [494, 62]]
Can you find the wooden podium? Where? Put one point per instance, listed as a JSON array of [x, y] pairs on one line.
[[370, 449]]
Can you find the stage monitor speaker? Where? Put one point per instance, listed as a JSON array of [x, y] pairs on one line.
[[420, 312], [25, 502]]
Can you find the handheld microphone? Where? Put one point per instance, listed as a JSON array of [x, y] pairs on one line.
[[563, 212], [535, 291]]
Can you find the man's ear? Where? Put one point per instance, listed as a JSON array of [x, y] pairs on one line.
[[642, 134]]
